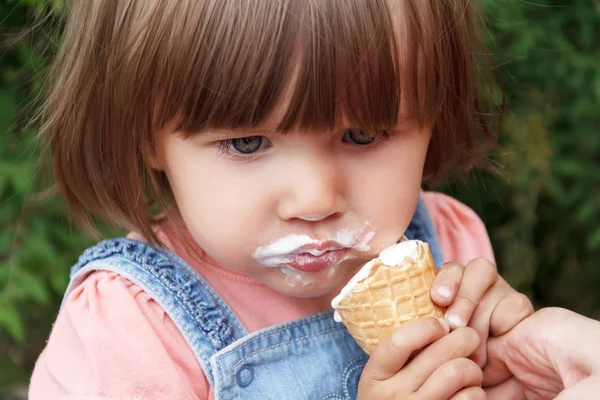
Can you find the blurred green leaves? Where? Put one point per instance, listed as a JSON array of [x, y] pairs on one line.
[[545, 219], [37, 242]]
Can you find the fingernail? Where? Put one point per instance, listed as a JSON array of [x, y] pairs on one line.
[[444, 324], [455, 320], [444, 291]]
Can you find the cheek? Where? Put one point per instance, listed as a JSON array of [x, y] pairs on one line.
[[389, 206], [213, 212], [387, 194], [209, 203]]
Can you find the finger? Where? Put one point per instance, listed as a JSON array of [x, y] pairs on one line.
[[446, 283], [496, 370], [391, 354], [480, 321], [479, 276], [451, 378], [509, 389], [472, 393], [458, 344], [510, 310]]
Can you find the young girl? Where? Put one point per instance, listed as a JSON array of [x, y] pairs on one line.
[[260, 152]]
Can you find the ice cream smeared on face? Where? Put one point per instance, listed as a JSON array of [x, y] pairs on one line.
[[274, 254], [348, 238], [294, 278], [391, 256], [304, 260]]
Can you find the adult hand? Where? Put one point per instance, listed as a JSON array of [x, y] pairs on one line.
[[553, 354]]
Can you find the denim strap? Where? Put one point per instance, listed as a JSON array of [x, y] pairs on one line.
[[421, 228], [203, 318]]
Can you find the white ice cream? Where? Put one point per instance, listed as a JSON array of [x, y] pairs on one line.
[[278, 252], [391, 256], [270, 254]]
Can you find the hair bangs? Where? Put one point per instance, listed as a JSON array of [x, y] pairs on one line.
[[311, 65]]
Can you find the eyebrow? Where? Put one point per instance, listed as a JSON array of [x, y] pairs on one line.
[[219, 134], [243, 130]]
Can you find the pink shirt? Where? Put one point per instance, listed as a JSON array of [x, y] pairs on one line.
[[112, 341]]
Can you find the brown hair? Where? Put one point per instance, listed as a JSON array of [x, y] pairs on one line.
[[126, 68]]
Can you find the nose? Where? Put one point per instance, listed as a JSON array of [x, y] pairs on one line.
[[314, 191]]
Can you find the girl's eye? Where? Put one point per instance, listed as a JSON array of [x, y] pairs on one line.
[[360, 136], [247, 145]]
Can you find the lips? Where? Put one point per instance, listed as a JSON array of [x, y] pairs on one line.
[[306, 254], [319, 248], [321, 260]]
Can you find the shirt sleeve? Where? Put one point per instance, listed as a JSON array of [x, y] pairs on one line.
[[462, 233], [112, 341]]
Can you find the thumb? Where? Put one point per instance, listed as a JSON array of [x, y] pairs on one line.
[[510, 389], [496, 370], [392, 353]]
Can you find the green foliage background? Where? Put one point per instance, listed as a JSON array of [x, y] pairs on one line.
[[542, 209]]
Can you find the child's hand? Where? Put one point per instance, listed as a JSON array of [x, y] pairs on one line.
[[440, 371], [476, 296]]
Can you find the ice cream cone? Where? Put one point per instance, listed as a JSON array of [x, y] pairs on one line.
[[388, 292]]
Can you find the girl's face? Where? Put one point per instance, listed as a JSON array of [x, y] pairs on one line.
[[299, 212]]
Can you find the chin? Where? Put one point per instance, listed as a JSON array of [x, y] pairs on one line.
[[314, 286], [305, 291]]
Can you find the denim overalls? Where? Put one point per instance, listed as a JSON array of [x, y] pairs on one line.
[[310, 358]]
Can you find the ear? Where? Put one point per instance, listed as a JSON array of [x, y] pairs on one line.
[[151, 153], [153, 149]]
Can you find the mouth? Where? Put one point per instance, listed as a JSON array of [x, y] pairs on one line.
[[317, 260], [306, 254], [319, 248]]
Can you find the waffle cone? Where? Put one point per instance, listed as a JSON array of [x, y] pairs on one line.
[[389, 297]]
